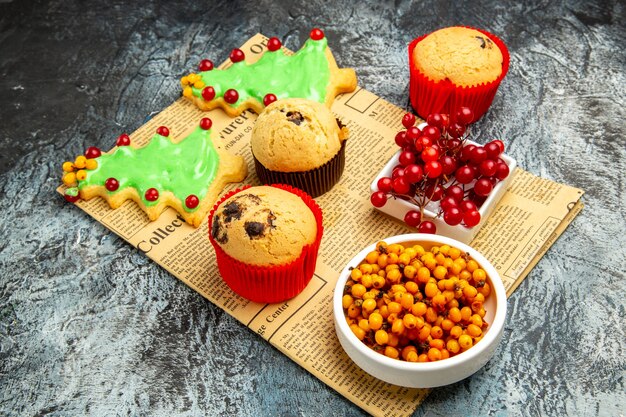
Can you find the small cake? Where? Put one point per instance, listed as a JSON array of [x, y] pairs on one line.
[[266, 240], [311, 73], [456, 67], [299, 142], [187, 175]]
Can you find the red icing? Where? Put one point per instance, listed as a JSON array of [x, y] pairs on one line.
[[237, 55], [269, 99], [208, 93], [92, 152], [273, 44], [192, 201], [205, 65], [111, 184], [123, 140], [163, 131], [317, 34], [206, 123], [152, 194], [231, 96]]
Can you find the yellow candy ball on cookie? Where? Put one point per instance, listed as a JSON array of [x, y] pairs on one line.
[[91, 164], [81, 175], [80, 162], [69, 179], [184, 81], [187, 92], [68, 166]]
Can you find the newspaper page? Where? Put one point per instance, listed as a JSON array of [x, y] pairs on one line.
[[531, 215]]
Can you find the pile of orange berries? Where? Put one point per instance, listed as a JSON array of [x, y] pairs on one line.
[[417, 305]]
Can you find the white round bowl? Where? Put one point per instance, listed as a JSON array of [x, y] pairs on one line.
[[428, 374]]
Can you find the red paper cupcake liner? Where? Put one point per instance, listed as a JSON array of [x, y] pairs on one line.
[[270, 284], [315, 182], [428, 96]]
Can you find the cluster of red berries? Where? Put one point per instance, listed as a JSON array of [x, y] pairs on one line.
[[437, 164]]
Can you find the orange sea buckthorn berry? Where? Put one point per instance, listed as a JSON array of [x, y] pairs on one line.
[[453, 346], [409, 321], [485, 290], [454, 253], [419, 309], [465, 275], [479, 274], [346, 301], [393, 340], [367, 281], [187, 92], [436, 332], [192, 78], [395, 248], [470, 292], [358, 332], [466, 313], [439, 301], [411, 252], [440, 258], [397, 327], [391, 352], [81, 174], [378, 281], [404, 259], [392, 258], [453, 303], [408, 349], [412, 287], [198, 84], [431, 315], [369, 305], [454, 314], [422, 357], [424, 333], [394, 276], [437, 344], [358, 290], [365, 268], [354, 311], [356, 274], [69, 179], [434, 354], [445, 354], [407, 301], [477, 320], [394, 307], [472, 265], [430, 262], [382, 260], [375, 321], [364, 324], [465, 341], [430, 290], [381, 337], [473, 330], [447, 324], [372, 257], [456, 332], [423, 274]]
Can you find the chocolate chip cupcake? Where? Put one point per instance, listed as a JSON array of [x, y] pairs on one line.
[[299, 142], [266, 239], [455, 67]]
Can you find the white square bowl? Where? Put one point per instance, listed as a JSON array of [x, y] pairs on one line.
[[398, 208]]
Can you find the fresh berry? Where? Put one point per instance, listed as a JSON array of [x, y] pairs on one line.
[[151, 194], [436, 120], [453, 216], [408, 120], [427, 227], [447, 203], [111, 184], [208, 93], [413, 218], [471, 218], [502, 171], [464, 174], [206, 123], [478, 155], [273, 44], [464, 116], [192, 201], [269, 99], [493, 150], [455, 192], [468, 205], [231, 96], [401, 139], [237, 55], [456, 130], [448, 164], [123, 140], [433, 169], [385, 184], [413, 173], [317, 34], [406, 158], [413, 133], [92, 152], [487, 168], [378, 199], [163, 131], [430, 154], [432, 133], [205, 65], [401, 186]]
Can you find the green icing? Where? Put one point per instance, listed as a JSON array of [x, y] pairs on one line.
[[183, 168], [72, 192], [305, 74]]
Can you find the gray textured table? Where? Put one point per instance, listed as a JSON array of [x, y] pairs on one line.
[[90, 326]]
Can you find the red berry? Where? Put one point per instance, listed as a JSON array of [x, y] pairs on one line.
[[464, 116], [401, 139], [448, 164], [317, 34], [269, 99], [471, 218], [430, 154], [466, 152], [111, 184], [455, 192], [71, 198], [205, 65], [433, 169], [123, 140], [385, 184], [493, 150], [406, 158], [435, 119], [413, 133], [468, 205], [237, 55], [464, 174], [151, 194], [398, 171], [456, 130], [413, 173], [499, 143], [206, 123], [401, 186], [433, 192], [453, 216], [192, 201], [423, 142], [412, 218], [487, 168], [483, 187], [208, 93], [432, 133], [378, 199], [453, 144], [273, 44], [92, 152], [231, 96], [408, 120], [502, 171], [427, 227], [478, 155], [447, 203], [163, 131]]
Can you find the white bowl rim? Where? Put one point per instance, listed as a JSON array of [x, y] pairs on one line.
[[475, 351]]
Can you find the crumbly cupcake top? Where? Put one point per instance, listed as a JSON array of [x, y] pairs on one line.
[[295, 135], [264, 226], [464, 56]]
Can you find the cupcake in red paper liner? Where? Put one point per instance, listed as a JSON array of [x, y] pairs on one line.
[[299, 142], [266, 239], [455, 67]]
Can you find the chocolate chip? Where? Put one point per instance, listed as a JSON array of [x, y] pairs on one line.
[[254, 229], [295, 117], [217, 232], [482, 41], [232, 211]]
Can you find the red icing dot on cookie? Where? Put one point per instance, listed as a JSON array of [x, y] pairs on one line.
[[205, 65], [231, 96], [152, 194], [208, 93], [273, 44], [123, 140], [269, 99], [92, 152], [317, 34], [111, 184], [71, 198], [163, 131], [237, 55], [192, 201], [206, 123]]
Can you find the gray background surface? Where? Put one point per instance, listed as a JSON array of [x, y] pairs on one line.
[[90, 326]]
